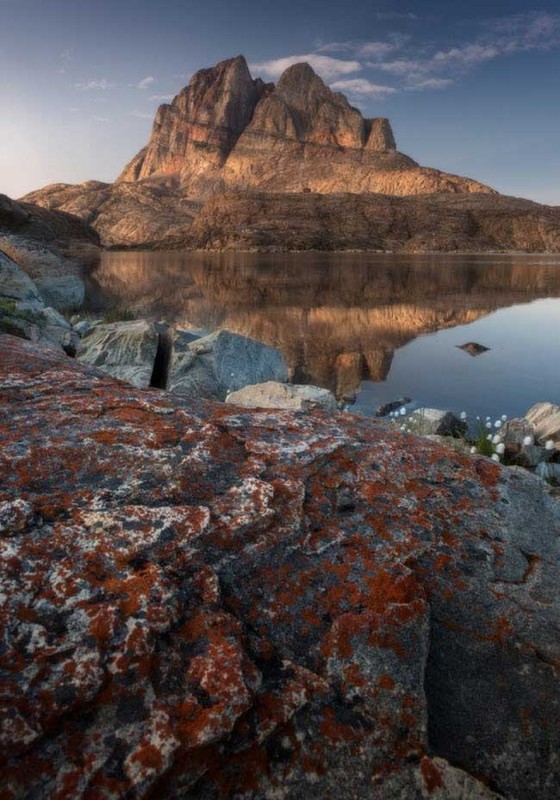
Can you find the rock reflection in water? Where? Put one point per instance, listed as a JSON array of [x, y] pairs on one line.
[[338, 319]]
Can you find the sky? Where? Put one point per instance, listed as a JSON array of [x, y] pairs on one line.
[[470, 87]]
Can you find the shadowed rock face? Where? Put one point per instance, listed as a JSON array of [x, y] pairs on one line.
[[216, 602]]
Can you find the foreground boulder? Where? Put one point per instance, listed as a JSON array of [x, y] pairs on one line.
[[125, 350], [228, 603], [222, 362], [284, 396]]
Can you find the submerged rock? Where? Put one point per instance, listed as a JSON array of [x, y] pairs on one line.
[[286, 396], [222, 362], [125, 350], [221, 603], [473, 348]]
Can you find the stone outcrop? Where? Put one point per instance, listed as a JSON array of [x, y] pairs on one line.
[[272, 394], [124, 350], [51, 246], [223, 602], [435, 222], [545, 420], [222, 362], [24, 313]]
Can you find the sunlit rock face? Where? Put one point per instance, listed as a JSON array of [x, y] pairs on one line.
[[227, 130], [204, 601], [336, 323]]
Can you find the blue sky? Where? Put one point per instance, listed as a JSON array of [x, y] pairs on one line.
[[470, 87]]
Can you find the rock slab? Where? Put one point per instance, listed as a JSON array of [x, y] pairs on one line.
[[272, 394], [224, 603]]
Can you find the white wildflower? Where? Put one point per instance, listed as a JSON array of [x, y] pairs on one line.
[[473, 450], [528, 441], [489, 437], [549, 445], [495, 457], [496, 439], [463, 415], [504, 417], [403, 411], [500, 449], [488, 425], [498, 423]]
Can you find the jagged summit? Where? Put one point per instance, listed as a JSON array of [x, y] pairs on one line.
[[229, 131]]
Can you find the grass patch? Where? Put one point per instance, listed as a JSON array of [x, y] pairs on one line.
[[119, 314]]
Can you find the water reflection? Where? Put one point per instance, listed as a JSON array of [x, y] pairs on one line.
[[338, 318]]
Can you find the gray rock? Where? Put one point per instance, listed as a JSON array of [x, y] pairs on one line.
[[426, 421], [223, 362], [394, 405], [545, 418], [548, 471], [62, 292], [83, 327], [125, 350], [23, 311], [286, 396]]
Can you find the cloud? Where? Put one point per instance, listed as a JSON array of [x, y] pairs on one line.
[[141, 115], [95, 85], [327, 67], [420, 84], [499, 38], [389, 15], [146, 82], [376, 49], [67, 54], [161, 98], [363, 87], [100, 119]]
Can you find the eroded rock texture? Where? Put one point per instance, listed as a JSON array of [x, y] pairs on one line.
[[217, 602]]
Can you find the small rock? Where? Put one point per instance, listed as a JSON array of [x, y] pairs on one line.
[[545, 418], [473, 348], [427, 421], [548, 471], [394, 405], [273, 394]]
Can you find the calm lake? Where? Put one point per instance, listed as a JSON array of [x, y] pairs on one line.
[[381, 326]]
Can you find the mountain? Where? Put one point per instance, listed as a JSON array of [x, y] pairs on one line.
[[227, 138]]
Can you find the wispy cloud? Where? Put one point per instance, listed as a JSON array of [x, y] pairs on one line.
[[327, 67], [395, 15], [161, 98], [499, 38], [362, 87], [95, 85], [374, 49], [146, 82], [100, 119], [141, 115]]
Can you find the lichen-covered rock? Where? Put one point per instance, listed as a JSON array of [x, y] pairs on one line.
[[273, 394], [125, 350], [222, 362], [235, 603]]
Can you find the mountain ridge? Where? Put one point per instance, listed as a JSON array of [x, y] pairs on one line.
[[227, 135]]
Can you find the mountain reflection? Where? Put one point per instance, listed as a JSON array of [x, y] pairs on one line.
[[337, 318]]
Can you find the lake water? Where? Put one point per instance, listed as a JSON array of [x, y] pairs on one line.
[[380, 326]]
